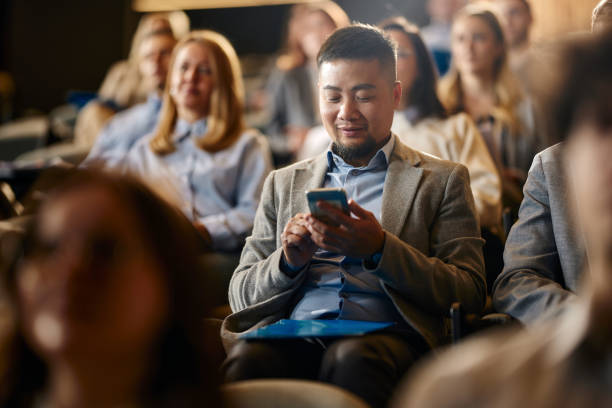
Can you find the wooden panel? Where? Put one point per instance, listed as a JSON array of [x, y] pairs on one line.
[[554, 18], [163, 5]]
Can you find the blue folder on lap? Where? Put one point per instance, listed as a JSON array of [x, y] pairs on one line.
[[286, 328]]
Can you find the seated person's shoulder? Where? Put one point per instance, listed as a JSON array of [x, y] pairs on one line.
[[473, 373], [552, 154]]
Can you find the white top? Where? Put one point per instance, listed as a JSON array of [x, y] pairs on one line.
[[457, 139]]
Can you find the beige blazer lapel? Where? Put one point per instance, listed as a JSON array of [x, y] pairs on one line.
[[304, 179], [401, 184]]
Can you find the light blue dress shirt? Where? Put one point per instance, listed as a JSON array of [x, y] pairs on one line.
[[123, 131], [221, 190], [337, 286]]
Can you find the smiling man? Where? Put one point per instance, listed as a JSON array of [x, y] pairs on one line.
[[410, 247]]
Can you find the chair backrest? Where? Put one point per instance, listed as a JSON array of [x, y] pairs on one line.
[[280, 393]]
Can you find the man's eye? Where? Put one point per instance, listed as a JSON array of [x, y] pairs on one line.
[[364, 98], [333, 99]]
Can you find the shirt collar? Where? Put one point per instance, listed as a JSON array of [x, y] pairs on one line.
[[184, 129], [380, 159]]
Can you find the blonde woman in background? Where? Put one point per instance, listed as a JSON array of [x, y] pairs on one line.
[[200, 150], [481, 84]]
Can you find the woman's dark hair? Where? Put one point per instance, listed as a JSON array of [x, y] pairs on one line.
[[423, 92], [182, 373], [583, 89]]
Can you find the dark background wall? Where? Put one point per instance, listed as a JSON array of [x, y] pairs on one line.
[[52, 47]]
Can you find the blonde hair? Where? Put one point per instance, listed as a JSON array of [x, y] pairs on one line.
[[508, 90], [225, 121], [294, 56], [177, 25]]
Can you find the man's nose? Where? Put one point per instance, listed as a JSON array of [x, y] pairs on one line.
[[348, 109]]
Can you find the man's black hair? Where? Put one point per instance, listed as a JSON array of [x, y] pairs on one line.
[[359, 42]]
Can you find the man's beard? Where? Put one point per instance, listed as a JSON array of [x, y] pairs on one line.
[[352, 153]]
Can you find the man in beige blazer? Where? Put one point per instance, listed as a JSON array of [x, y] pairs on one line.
[[410, 248]]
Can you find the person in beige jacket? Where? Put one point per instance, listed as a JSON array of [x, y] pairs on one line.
[[422, 123], [409, 250]]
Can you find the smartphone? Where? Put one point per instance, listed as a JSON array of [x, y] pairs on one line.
[[333, 196]]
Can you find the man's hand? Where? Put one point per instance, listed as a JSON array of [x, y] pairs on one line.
[[298, 248], [359, 237]]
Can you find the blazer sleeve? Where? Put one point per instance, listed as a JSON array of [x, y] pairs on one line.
[[528, 287], [258, 276], [454, 268]]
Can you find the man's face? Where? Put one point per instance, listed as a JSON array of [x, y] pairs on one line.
[[357, 99], [155, 52], [516, 21]]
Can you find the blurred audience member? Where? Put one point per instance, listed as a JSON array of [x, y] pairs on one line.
[[481, 84], [120, 134], [422, 123], [292, 85], [564, 363], [123, 85], [437, 35], [544, 255], [602, 16], [516, 19], [200, 151], [99, 308]]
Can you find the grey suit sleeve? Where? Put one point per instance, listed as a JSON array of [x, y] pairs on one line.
[[454, 268], [258, 276], [528, 286]]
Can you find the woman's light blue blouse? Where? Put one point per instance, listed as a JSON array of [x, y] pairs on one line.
[[220, 190]]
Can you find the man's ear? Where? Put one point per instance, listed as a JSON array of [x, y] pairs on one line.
[[397, 94]]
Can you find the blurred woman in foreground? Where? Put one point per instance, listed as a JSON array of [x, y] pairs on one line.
[[99, 308]]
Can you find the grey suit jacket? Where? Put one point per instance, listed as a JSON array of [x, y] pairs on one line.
[[543, 256], [432, 254]]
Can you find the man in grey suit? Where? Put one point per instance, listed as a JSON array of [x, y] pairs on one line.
[[543, 257], [410, 248]]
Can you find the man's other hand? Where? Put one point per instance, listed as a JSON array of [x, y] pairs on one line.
[[359, 237], [298, 247]]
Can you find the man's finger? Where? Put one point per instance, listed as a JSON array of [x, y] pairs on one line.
[[325, 242], [334, 213], [359, 211]]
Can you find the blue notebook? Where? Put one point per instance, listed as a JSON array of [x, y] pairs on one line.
[[286, 328]]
